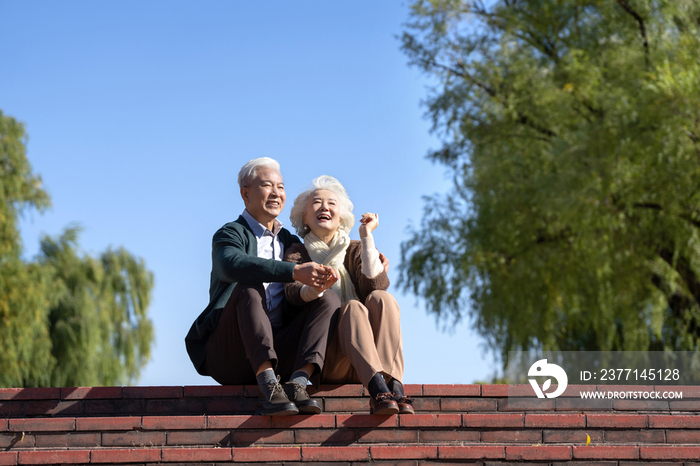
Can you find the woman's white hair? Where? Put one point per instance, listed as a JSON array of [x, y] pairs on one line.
[[347, 219], [249, 170]]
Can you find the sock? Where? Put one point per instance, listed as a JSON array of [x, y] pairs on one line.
[[300, 377], [396, 387], [377, 385], [266, 377]]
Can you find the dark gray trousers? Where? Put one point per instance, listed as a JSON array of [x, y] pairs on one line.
[[244, 338]]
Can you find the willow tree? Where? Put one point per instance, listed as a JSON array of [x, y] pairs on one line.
[[572, 130], [66, 319], [97, 319], [25, 344]]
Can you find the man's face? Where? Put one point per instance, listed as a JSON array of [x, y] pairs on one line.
[[264, 196]]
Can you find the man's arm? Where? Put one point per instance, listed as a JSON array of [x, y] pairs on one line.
[[232, 263]]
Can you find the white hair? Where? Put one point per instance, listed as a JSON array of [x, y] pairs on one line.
[[347, 219], [250, 169]]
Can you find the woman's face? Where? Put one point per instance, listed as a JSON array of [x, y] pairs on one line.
[[323, 214]]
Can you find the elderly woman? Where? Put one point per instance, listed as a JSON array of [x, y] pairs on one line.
[[366, 346]]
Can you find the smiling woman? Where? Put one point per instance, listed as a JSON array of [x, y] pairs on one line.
[[366, 347], [322, 211]]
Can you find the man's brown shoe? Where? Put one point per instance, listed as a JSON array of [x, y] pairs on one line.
[[405, 404], [274, 402], [383, 404], [300, 397]]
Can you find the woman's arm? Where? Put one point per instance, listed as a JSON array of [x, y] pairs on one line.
[[292, 291], [371, 265], [297, 293], [371, 262], [364, 285]]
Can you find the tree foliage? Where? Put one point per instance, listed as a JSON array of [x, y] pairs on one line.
[[66, 319], [572, 130]]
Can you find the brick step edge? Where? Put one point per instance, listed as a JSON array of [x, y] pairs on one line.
[[345, 390], [498, 453], [240, 399], [611, 421], [328, 429]]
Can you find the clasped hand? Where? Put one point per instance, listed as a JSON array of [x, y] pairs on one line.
[[320, 277]]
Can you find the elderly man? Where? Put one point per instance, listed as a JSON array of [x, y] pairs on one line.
[[249, 330]]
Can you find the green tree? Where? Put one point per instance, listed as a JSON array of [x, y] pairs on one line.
[[99, 329], [572, 130], [66, 319], [25, 344]]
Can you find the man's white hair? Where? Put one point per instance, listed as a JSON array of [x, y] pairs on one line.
[[347, 219], [249, 170]]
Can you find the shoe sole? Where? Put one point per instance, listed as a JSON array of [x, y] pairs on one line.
[[385, 412], [282, 411], [312, 408]]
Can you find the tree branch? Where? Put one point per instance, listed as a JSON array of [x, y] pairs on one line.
[[677, 303], [682, 266], [539, 43], [642, 27], [463, 73], [654, 206]]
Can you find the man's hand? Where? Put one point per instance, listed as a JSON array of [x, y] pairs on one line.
[[384, 261], [314, 275]]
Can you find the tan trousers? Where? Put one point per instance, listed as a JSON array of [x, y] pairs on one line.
[[367, 340]]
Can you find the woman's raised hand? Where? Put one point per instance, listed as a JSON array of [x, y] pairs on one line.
[[369, 222]]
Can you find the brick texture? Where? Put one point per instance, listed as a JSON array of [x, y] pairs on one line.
[[555, 420], [618, 452], [335, 453], [8, 458], [108, 423], [431, 420], [196, 455], [54, 457], [146, 455], [539, 453], [266, 455], [477, 424], [616, 420], [471, 452], [404, 452], [387, 436], [493, 420], [362, 420]]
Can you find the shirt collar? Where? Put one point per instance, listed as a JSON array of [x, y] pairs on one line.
[[258, 228]]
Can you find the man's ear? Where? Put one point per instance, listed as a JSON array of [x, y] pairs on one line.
[[244, 194]]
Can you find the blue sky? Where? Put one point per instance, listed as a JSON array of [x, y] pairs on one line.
[[140, 114]]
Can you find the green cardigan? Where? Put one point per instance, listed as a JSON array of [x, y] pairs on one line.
[[234, 259]]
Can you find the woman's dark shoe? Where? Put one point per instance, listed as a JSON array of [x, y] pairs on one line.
[[383, 404], [300, 397], [274, 402], [405, 404]]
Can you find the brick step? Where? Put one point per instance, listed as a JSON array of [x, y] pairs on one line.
[[388, 454], [330, 429], [454, 423], [240, 399]]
